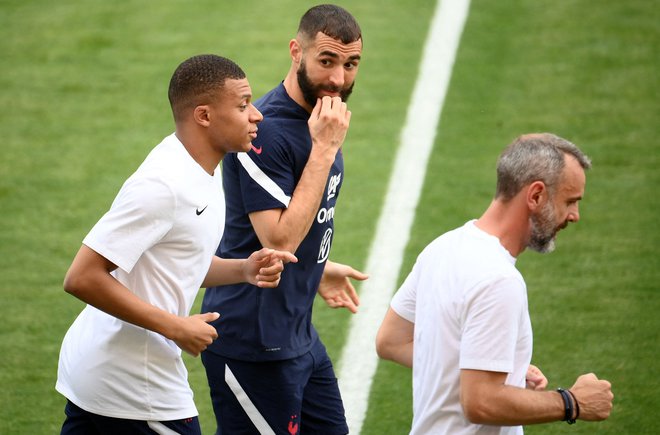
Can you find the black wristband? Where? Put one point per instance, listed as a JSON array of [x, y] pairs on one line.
[[568, 405], [577, 406]]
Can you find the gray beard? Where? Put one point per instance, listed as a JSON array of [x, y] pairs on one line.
[[544, 230]]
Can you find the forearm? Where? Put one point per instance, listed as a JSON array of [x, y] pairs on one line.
[[401, 354], [519, 406], [486, 402], [294, 222], [224, 271], [104, 292]]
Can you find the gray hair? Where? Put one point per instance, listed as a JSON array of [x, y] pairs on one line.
[[534, 157]]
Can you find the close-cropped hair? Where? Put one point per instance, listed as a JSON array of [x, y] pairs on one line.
[[534, 157], [198, 79], [332, 20]]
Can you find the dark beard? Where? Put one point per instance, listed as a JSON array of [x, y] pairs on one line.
[[311, 91]]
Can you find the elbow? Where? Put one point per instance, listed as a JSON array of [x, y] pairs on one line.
[[400, 352], [73, 284], [279, 240], [476, 410], [69, 285], [473, 415], [383, 347], [283, 244], [388, 351]]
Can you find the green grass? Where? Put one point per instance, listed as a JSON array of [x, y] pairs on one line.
[[84, 98], [590, 76]]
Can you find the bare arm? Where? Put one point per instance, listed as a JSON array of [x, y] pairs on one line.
[[487, 400], [89, 280], [284, 229], [395, 339], [263, 269]]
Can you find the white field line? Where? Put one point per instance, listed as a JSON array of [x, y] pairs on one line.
[[359, 361]]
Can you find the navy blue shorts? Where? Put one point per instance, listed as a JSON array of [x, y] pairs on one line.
[[80, 422], [288, 397]]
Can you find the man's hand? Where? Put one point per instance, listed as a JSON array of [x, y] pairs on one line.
[[535, 379], [328, 124], [594, 397], [336, 288], [264, 267], [194, 334]]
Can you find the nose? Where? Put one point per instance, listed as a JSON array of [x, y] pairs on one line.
[[337, 77], [256, 115], [573, 214]]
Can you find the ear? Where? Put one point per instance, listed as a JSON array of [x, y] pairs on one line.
[[202, 115], [295, 50], [537, 194]]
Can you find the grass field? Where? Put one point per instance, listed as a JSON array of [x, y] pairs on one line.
[[84, 99]]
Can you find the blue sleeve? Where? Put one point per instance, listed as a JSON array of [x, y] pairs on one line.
[[268, 173]]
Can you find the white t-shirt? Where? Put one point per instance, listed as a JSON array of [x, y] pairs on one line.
[[161, 231], [469, 306]]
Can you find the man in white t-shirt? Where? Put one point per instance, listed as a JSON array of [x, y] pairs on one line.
[[460, 318], [142, 264]]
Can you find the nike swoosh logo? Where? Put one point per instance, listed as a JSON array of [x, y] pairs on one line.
[[257, 150], [198, 211]]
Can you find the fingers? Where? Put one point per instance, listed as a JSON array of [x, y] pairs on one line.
[[353, 296], [351, 305], [350, 272], [262, 255], [535, 378], [268, 255], [328, 123], [317, 109], [209, 317], [269, 277], [342, 301], [284, 256], [329, 105], [594, 396], [356, 274], [197, 333]]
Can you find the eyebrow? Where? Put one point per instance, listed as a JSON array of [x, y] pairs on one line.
[[575, 198], [336, 56]]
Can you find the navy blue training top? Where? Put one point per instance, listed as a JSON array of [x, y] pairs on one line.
[[271, 324]]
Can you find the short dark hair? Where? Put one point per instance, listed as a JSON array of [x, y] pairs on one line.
[[197, 79], [534, 157], [332, 20]]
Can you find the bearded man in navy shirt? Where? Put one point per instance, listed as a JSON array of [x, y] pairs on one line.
[[269, 372]]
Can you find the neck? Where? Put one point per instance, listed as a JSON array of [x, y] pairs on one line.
[[205, 155], [507, 221], [293, 89]]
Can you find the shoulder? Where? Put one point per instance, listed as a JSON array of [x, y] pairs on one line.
[[148, 192]]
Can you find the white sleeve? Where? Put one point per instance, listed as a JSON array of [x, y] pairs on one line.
[[405, 299], [492, 324], [141, 214]]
